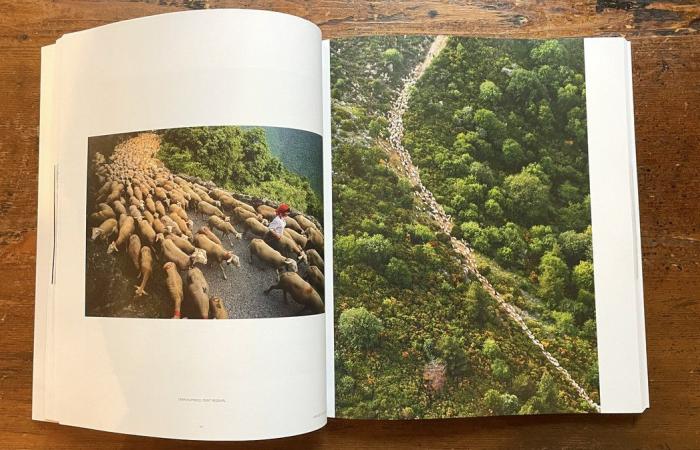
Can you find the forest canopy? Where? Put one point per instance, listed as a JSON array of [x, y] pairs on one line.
[[237, 159], [497, 130]]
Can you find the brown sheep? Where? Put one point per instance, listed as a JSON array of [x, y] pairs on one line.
[[301, 291], [101, 216], [125, 230], [135, 212], [182, 224], [182, 243], [119, 207], [270, 256], [197, 289], [253, 226], [232, 203], [134, 250], [105, 230], [146, 270], [150, 205], [304, 222], [171, 225], [177, 209], [267, 212], [160, 209], [298, 238], [289, 248], [241, 214], [210, 234], [225, 227], [173, 282], [147, 232], [182, 260], [216, 309], [217, 252], [314, 259], [207, 209], [293, 224], [315, 240], [316, 278], [158, 226]]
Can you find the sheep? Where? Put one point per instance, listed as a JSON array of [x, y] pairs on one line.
[[304, 222], [315, 239], [137, 203], [205, 197], [105, 230], [125, 230], [241, 214], [158, 226], [181, 224], [314, 259], [134, 250], [147, 232], [289, 248], [301, 291], [298, 238], [173, 282], [135, 212], [160, 194], [115, 193], [182, 243], [233, 203], [225, 227], [216, 309], [171, 225], [267, 212], [176, 197], [160, 209], [150, 205], [148, 216], [182, 260], [207, 209], [137, 192], [101, 216], [315, 277], [270, 256], [253, 226], [177, 209], [146, 270], [118, 207], [210, 234], [197, 290], [293, 224], [216, 252]]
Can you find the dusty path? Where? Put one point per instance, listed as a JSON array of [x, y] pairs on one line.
[[444, 221]]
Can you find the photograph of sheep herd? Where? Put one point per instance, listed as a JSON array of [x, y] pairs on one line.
[[205, 223]]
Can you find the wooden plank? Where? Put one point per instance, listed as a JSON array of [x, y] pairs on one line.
[[666, 61]]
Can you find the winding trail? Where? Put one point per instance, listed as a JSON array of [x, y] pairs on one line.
[[444, 221]]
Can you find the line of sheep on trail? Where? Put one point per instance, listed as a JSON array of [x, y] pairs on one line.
[[143, 211]]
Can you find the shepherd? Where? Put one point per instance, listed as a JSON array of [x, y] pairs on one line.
[[275, 230]]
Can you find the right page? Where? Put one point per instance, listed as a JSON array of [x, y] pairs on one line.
[[486, 250]]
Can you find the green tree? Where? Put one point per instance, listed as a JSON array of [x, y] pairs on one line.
[[360, 328]]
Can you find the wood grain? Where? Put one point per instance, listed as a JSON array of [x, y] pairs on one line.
[[666, 61]]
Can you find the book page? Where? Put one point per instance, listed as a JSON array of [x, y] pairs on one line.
[[479, 268], [173, 131]]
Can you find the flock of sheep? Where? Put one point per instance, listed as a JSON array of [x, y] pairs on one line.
[[143, 211]]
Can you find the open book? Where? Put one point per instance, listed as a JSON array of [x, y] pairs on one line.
[[395, 227]]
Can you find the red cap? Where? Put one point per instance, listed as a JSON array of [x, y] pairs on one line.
[[282, 208]]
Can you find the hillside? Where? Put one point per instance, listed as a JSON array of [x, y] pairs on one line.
[[417, 337]]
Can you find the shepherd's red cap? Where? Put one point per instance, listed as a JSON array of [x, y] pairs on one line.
[[282, 208]]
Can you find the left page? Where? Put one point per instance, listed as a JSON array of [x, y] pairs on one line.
[[173, 131]]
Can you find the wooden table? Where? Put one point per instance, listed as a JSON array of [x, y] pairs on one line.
[[666, 64]]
